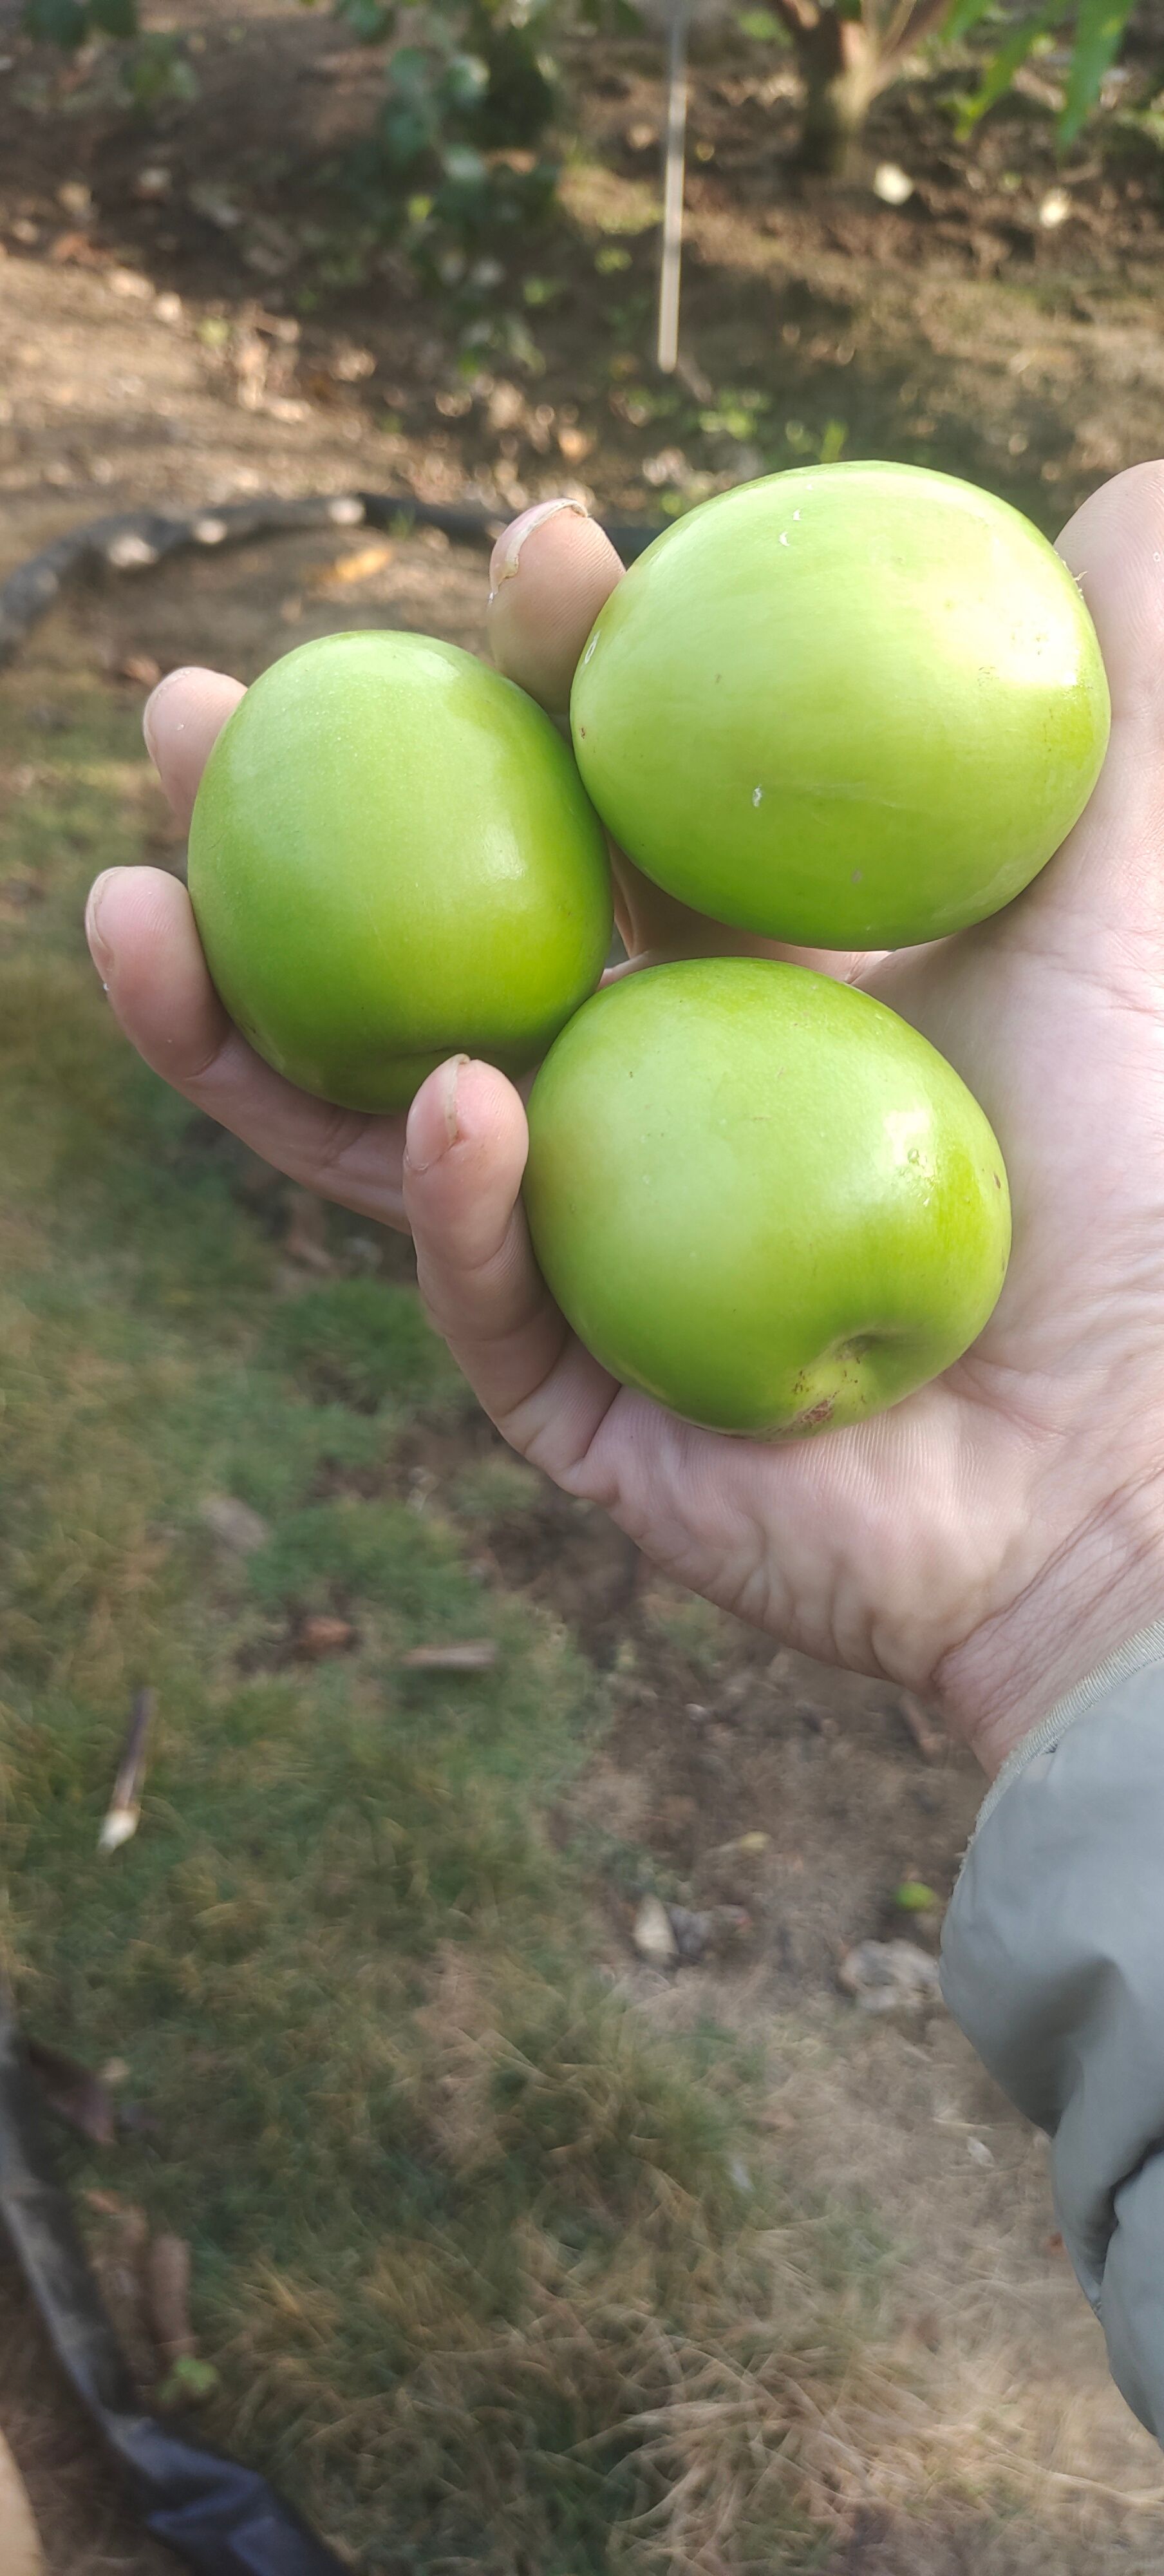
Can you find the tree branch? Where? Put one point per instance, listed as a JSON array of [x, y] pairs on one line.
[[798, 16], [911, 25]]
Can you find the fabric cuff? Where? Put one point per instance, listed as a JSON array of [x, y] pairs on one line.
[[1053, 1965]]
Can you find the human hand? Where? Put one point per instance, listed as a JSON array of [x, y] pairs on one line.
[[989, 1540]]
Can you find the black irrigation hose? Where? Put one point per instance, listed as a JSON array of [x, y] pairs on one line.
[[133, 540], [222, 2519]]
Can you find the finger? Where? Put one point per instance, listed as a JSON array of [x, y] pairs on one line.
[[1107, 874], [1115, 548], [181, 723], [549, 575], [655, 928], [463, 1168], [146, 949]]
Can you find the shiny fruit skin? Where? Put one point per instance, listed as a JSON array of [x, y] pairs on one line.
[[761, 1197], [392, 860], [853, 706]]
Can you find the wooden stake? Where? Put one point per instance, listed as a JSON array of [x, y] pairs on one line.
[[674, 173]]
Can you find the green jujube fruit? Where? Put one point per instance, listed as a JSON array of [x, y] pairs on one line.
[[392, 859], [854, 706], [761, 1197]]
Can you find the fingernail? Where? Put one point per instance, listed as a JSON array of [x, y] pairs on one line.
[[432, 1119], [99, 948], [148, 713], [506, 555]]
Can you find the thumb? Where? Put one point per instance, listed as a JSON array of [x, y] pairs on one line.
[[464, 1158], [181, 724], [1115, 548], [1108, 870], [551, 572]]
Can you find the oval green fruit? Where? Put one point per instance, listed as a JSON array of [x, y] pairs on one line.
[[760, 1197], [391, 859], [858, 706]]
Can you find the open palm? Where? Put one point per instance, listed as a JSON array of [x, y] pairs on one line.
[[1002, 1530]]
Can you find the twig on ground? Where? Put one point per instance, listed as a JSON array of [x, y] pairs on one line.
[[125, 1805]]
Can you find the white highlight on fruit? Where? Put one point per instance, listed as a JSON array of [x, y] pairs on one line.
[[907, 1130], [757, 794]]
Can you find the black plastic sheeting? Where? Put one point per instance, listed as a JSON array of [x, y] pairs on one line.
[[223, 2520], [133, 540]]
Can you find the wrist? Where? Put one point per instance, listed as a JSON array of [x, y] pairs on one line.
[[1103, 1588]]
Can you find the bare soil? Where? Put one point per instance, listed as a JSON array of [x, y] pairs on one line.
[[154, 353], [192, 310]]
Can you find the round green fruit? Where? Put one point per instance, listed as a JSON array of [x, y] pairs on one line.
[[858, 706], [760, 1197], [392, 859]]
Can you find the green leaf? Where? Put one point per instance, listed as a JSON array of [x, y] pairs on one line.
[[406, 131], [190, 2381], [156, 70], [410, 72], [114, 17], [914, 1897], [1099, 33], [964, 15], [465, 80], [56, 22], [463, 167], [1009, 59], [370, 20]]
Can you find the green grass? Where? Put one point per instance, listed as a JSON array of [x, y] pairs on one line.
[[365, 1343], [494, 2279]]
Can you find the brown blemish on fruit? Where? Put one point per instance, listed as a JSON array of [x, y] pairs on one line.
[[815, 1415]]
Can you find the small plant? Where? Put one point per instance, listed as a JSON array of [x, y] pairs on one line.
[[453, 152], [849, 51], [72, 23], [1098, 30]]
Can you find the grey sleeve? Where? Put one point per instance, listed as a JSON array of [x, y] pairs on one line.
[[1053, 1964]]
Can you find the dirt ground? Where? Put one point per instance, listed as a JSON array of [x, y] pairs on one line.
[[156, 353], [190, 315]]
